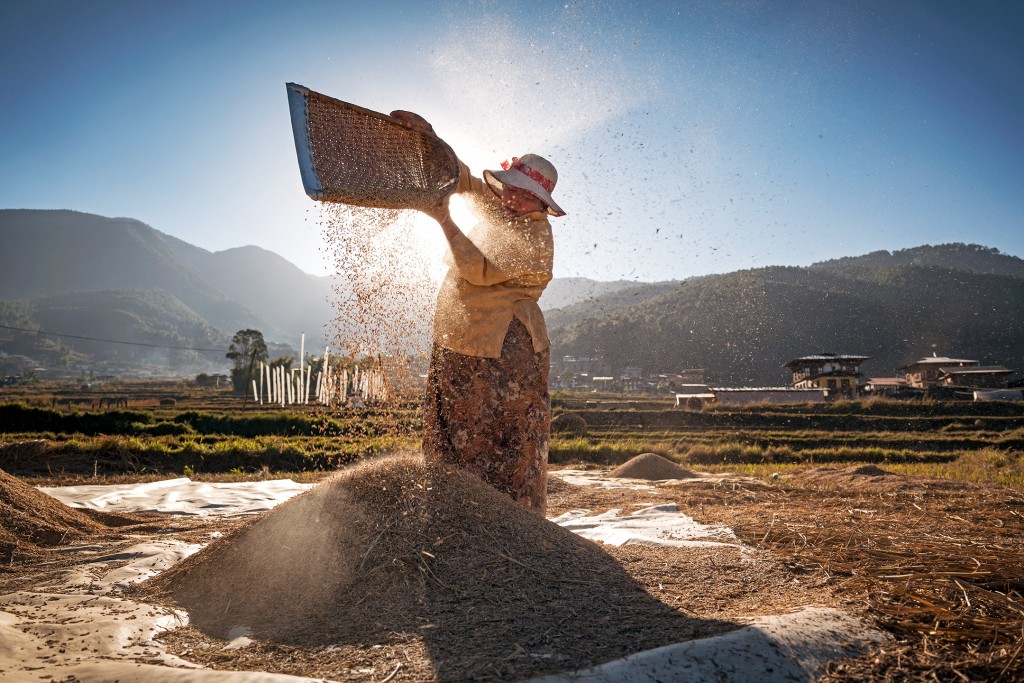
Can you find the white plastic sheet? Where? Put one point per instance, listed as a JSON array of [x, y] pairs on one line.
[[655, 525], [181, 496]]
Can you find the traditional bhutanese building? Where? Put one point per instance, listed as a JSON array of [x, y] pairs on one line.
[[834, 372], [976, 377], [928, 372]]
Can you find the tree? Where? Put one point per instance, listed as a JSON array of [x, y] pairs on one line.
[[246, 350], [285, 362]]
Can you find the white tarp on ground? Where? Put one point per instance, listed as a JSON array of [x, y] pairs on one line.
[[180, 496], [83, 628], [655, 525], [598, 478]]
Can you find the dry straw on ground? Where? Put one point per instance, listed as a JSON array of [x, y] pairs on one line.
[[569, 423], [936, 563], [30, 520], [49, 457]]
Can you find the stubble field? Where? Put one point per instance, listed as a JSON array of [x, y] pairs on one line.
[[909, 514]]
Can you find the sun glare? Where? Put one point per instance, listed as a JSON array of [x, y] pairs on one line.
[[428, 240]]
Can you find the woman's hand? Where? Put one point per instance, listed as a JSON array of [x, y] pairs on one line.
[[413, 121], [439, 212]]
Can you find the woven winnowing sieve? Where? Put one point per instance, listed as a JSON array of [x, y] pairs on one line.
[[369, 159]]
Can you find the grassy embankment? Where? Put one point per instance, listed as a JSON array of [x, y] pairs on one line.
[[208, 435], [965, 441]]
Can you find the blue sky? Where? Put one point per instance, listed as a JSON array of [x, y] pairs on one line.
[[691, 138]]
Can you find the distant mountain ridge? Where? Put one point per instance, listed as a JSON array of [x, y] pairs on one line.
[[972, 258], [118, 278], [103, 254], [231, 290]]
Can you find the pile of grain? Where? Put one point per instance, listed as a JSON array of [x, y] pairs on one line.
[[651, 466], [30, 520], [866, 477], [396, 550], [569, 423]]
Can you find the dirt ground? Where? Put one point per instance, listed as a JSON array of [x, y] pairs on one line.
[[938, 565]]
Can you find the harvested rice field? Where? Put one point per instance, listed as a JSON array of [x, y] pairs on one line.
[[393, 570]]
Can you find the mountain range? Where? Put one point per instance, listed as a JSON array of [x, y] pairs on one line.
[[120, 279]]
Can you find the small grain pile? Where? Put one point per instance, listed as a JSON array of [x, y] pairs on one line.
[[396, 549], [652, 467], [569, 423], [853, 477], [31, 520]]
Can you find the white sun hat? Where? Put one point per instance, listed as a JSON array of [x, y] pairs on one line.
[[531, 173]]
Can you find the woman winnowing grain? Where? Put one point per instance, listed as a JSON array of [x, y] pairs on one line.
[[487, 408]]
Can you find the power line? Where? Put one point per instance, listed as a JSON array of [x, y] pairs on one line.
[[110, 341]]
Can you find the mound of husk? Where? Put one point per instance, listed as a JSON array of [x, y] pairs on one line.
[[396, 550], [568, 423], [30, 519], [651, 466]]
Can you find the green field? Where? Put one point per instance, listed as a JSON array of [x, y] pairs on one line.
[[172, 428]]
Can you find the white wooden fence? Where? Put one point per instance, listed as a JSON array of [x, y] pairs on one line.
[[331, 386]]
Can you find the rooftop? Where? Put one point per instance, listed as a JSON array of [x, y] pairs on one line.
[[978, 370], [940, 360]]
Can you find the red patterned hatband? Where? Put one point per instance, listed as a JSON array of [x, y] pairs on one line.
[[517, 165]]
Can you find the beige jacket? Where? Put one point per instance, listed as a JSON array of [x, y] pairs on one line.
[[498, 272]]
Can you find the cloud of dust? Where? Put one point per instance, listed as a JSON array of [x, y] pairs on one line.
[[502, 88], [505, 87], [277, 571], [387, 276]]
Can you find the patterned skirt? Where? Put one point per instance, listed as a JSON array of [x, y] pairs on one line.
[[492, 416]]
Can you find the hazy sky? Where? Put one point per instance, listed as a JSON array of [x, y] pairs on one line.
[[690, 137]]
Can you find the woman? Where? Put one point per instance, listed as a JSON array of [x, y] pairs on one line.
[[487, 408]]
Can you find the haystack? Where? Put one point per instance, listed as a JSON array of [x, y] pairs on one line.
[[651, 466], [30, 519], [397, 549]]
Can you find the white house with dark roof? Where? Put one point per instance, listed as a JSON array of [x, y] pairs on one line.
[[836, 373]]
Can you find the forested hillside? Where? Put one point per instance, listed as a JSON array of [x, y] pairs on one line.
[[741, 327]]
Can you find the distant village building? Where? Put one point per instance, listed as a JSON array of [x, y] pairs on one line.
[[928, 372], [632, 380], [976, 377], [693, 396], [581, 365], [576, 372], [835, 373], [687, 376], [886, 386]]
